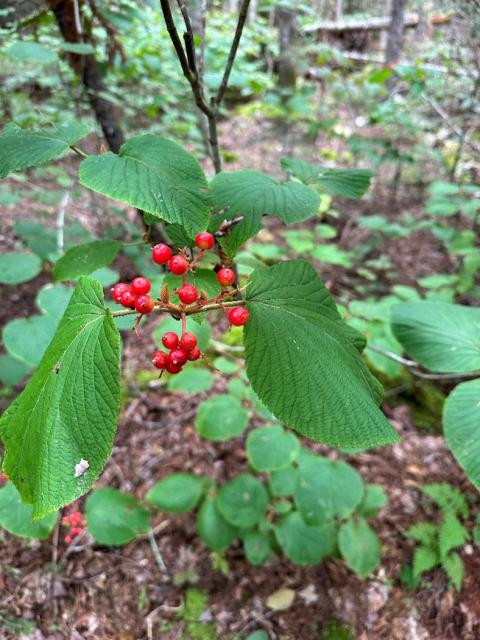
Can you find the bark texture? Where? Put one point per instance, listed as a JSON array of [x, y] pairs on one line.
[[395, 32]]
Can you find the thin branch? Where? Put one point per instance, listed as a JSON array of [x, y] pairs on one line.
[[414, 367], [464, 137], [233, 51], [78, 151], [156, 552], [175, 38], [188, 38], [171, 308]]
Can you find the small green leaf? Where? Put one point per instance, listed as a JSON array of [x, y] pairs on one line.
[[257, 635], [115, 518], [347, 183], [461, 423], [424, 532], [155, 175], [85, 258], [53, 299], [80, 48], [191, 381], [442, 337], [225, 365], [359, 546], [424, 559], [31, 52], [271, 448], [326, 489], [305, 544], [257, 547], [283, 481], [448, 498], [18, 267], [243, 501], [27, 338], [374, 498], [16, 516], [12, 371], [336, 403], [453, 567], [212, 527], [220, 418], [68, 410], [178, 493], [451, 534], [22, 148]]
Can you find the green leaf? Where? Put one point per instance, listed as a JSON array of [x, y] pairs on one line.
[[257, 547], [451, 534], [115, 518], [325, 489], [347, 183], [212, 527], [461, 424], [27, 338], [80, 48], [453, 567], [178, 493], [22, 148], [243, 501], [442, 337], [424, 532], [304, 544], [271, 448], [191, 381], [359, 546], [304, 362], [257, 635], [374, 498], [203, 279], [31, 52], [85, 258], [283, 481], [252, 195], [153, 174], [16, 516], [12, 371], [424, 559], [220, 418], [17, 267], [52, 300], [68, 411], [225, 365], [448, 498]]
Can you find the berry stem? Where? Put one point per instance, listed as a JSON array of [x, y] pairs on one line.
[[184, 322], [173, 308]]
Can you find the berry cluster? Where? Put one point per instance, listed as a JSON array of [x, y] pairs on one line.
[[77, 524], [135, 296]]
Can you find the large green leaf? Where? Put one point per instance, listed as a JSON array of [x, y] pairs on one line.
[[440, 336], [114, 517], [82, 259], [155, 175], [461, 423], [304, 362], [348, 183], [22, 148], [252, 195], [68, 411], [16, 516], [17, 267]]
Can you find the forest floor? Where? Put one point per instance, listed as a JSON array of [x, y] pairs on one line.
[[89, 592]]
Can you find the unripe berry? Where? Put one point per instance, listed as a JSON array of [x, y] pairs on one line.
[[170, 340], [161, 253], [188, 293], [178, 265], [194, 354], [178, 356], [173, 368], [226, 276], [119, 289], [238, 316], [188, 342], [140, 286], [160, 359], [144, 304], [204, 240], [127, 299]]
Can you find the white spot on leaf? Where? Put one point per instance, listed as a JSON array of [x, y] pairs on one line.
[[80, 468]]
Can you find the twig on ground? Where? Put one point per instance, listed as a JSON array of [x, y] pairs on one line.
[[156, 551]]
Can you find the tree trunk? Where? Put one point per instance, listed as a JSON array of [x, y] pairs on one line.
[[88, 70], [14, 12], [286, 72], [395, 32]]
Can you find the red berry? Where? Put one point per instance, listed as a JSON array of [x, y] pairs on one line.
[[204, 240], [178, 265], [170, 340], [188, 293], [161, 253], [76, 531], [140, 286], [226, 276], [144, 304], [194, 354], [119, 289], [238, 316], [127, 299], [173, 368], [68, 539], [160, 359], [178, 356], [188, 342]]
